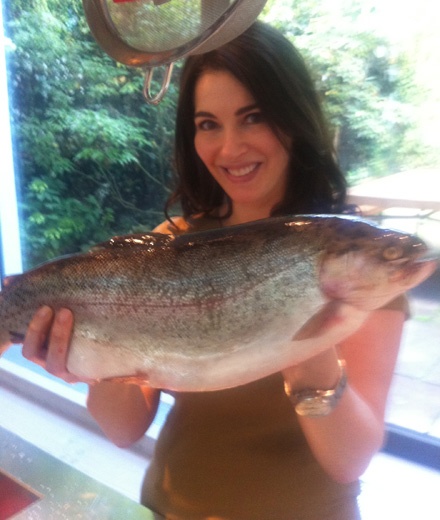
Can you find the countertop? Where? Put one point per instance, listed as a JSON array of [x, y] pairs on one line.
[[61, 492]]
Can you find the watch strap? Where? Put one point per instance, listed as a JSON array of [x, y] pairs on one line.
[[318, 402]]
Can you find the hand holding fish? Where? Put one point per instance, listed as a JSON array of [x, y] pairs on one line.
[[47, 342]]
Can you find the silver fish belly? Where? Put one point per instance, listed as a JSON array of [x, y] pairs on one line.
[[215, 309]]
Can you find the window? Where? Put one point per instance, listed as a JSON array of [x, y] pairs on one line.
[[92, 159]]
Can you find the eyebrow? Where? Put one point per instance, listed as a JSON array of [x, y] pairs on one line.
[[239, 112]]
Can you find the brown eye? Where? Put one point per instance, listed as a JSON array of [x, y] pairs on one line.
[[392, 253]]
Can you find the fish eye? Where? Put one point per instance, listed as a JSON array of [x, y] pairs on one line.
[[392, 253]]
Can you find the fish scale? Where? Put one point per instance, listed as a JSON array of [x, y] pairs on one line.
[[220, 308]]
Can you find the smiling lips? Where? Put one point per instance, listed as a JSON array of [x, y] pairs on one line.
[[243, 172]]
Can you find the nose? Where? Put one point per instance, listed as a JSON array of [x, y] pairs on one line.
[[233, 144]]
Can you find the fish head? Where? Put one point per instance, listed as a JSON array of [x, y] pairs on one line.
[[368, 266]]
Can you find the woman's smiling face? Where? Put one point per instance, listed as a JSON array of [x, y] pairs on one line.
[[237, 145]]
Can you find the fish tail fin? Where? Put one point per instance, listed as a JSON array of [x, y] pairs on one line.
[[5, 339], [4, 348]]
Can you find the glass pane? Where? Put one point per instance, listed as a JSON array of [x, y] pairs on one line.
[[93, 160], [10, 255], [376, 64]]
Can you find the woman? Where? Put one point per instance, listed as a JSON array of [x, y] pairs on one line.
[[251, 142]]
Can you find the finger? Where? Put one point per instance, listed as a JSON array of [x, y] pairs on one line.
[[34, 344], [59, 342]]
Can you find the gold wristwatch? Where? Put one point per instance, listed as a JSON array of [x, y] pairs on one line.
[[318, 403]]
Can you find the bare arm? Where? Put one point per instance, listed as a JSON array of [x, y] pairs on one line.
[[344, 441], [124, 411]]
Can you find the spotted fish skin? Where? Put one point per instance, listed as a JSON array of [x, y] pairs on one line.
[[214, 309]]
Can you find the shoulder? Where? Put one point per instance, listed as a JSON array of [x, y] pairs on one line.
[[399, 304], [180, 225], [176, 226]]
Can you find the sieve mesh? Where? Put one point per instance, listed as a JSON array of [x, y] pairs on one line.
[[149, 33], [150, 26], [155, 26]]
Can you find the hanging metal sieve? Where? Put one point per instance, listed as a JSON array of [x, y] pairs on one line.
[[151, 33]]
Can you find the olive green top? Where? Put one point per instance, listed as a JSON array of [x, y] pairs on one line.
[[240, 454]]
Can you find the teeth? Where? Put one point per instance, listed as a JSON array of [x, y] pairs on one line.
[[240, 172]]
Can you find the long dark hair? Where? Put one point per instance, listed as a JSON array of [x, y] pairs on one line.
[[274, 72]]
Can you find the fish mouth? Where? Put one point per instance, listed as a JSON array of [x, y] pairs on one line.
[[429, 255], [416, 271], [415, 267]]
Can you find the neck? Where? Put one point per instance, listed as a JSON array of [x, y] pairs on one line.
[[243, 214]]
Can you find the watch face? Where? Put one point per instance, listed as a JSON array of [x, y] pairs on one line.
[[315, 403], [314, 406]]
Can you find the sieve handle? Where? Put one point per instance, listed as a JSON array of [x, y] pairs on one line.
[[157, 98]]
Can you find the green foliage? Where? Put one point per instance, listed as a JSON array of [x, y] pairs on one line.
[[360, 76], [93, 157]]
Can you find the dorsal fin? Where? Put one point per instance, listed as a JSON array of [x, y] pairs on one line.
[[142, 240]]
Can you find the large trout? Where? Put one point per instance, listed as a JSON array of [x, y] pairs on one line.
[[215, 309]]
